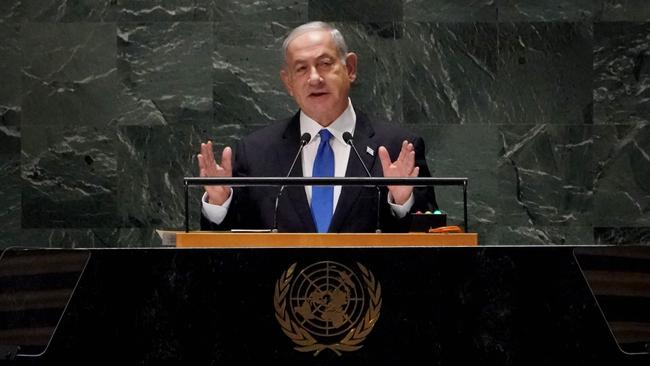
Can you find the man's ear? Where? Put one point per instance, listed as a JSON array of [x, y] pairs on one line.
[[284, 75], [351, 65]]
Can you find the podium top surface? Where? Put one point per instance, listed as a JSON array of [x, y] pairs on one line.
[[204, 239]]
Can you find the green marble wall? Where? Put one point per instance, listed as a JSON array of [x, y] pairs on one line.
[[544, 105]]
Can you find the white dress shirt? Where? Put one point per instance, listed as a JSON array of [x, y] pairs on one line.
[[345, 122]]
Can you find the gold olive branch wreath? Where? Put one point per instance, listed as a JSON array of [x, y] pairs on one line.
[[306, 342]]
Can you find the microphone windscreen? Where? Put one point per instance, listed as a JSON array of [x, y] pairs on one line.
[[347, 136], [305, 138]]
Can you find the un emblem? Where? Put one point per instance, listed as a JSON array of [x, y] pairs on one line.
[[327, 306]]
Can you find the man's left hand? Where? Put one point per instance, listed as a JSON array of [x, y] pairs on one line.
[[403, 167]]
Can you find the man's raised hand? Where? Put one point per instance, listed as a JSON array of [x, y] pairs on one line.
[[403, 167], [208, 167]]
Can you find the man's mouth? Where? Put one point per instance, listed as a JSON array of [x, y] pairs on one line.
[[317, 94]]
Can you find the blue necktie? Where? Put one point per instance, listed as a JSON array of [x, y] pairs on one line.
[[322, 197]]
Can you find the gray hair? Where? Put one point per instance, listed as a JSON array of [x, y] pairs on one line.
[[339, 41]]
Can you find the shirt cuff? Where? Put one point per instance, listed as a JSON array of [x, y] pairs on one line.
[[215, 213], [400, 211]]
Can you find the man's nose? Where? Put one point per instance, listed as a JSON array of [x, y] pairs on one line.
[[314, 76]]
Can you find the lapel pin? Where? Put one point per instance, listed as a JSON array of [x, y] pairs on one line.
[[370, 151]]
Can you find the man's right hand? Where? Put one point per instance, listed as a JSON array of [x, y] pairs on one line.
[[208, 167]]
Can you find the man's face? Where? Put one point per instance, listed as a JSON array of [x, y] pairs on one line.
[[315, 76]]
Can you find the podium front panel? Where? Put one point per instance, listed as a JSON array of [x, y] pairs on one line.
[[324, 306]]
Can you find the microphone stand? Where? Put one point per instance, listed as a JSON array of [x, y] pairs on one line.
[[304, 139], [350, 141]]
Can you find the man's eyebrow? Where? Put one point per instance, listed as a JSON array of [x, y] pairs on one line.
[[319, 57], [300, 61], [297, 61], [325, 55]]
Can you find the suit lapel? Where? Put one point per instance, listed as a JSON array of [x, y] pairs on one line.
[[363, 139], [285, 154]]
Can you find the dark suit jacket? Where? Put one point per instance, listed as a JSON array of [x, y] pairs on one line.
[[269, 153]]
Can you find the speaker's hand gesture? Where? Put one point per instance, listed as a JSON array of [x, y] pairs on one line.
[[403, 167], [208, 167]]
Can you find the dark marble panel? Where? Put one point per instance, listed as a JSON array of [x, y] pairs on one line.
[[10, 92], [622, 175], [546, 175], [68, 177], [9, 193], [548, 10], [169, 10], [80, 238], [465, 151], [265, 10], [137, 111], [449, 73], [545, 73], [621, 235], [165, 72], [69, 74], [360, 10], [160, 157], [528, 234], [57, 10], [66, 10], [621, 72], [450, 10], [378, 87], [10, 11], [10, 110], [246, 63], [625, 10], [9, 138]]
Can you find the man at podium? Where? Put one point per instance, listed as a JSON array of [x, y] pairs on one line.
[[318, 72]]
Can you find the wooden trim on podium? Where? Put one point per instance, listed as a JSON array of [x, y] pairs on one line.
[[205, 239]]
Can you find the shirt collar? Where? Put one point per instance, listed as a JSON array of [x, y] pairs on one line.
[[345, 122]]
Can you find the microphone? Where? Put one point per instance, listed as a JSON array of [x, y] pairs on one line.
[[304, 140], [347, 137]]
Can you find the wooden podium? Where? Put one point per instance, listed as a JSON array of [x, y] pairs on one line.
[[206, 239]]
